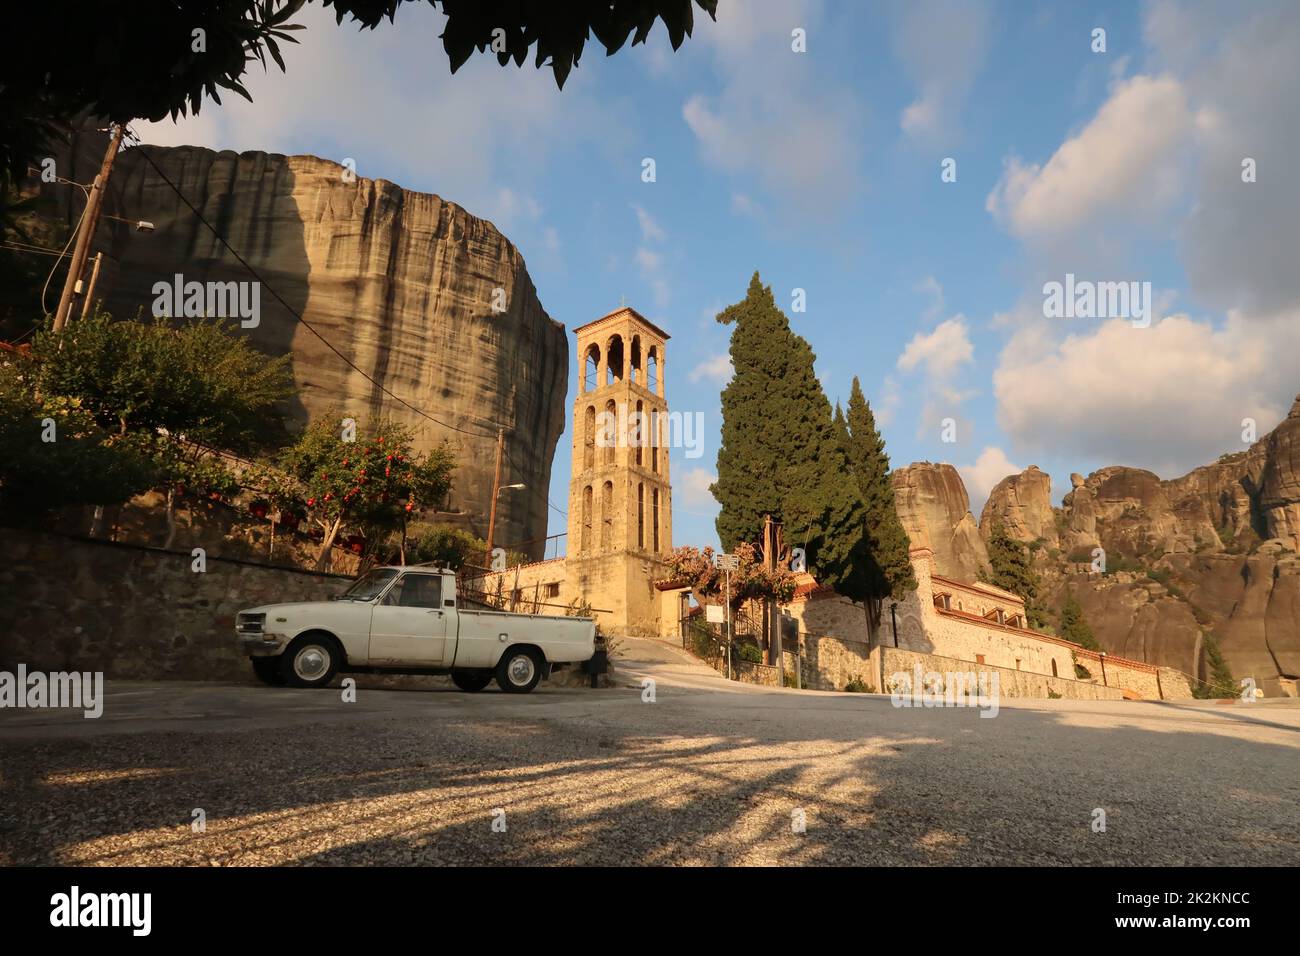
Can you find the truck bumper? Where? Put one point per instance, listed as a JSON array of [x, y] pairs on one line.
[[263, 645]]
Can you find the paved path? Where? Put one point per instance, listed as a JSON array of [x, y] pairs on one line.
[[710, 772]]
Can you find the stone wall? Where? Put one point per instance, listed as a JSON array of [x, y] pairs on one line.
[[1011, 683], [829, 663], [134, 612]]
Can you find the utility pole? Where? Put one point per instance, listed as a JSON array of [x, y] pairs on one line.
[[90, 289], [496, 490], [769, 605], [89, 222]]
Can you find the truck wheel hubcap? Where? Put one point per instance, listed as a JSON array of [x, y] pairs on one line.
[[521, 669], [311, 662]]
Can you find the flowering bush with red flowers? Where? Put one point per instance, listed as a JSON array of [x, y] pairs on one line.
[[372, 486]]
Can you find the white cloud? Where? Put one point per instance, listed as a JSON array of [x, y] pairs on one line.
[[1167, 398], [941, 44], [1121, 166], [651, 231], [774, 114], [744, 206], [989, 468], [693, 486], [400, 114], [718, 369], [929, 286], [940, 352], [551, 238]]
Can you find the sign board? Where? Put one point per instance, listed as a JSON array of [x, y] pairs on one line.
[[726, 562], [715, 614]]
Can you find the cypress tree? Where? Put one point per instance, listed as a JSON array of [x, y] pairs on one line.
[[1012, 571], [886, 569], [780, 454], [1074, 626]]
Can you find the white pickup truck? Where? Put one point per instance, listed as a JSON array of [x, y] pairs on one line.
[[406, 620]]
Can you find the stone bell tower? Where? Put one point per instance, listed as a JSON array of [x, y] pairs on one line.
[[620, 500]]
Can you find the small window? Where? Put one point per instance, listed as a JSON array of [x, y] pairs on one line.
[[979, 658], [1053, 666], [416, 590], [553, 589]]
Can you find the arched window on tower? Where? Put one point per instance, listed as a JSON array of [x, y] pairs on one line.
[[591, 368], [652, 369], [653, 425], [589, 437], [636, 432], [654, 517], [610, 431], [607, 516], [637, 372], [585, 544], [614, 360], [640, 516]]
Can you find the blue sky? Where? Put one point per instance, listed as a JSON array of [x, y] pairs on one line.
[[821, 169]]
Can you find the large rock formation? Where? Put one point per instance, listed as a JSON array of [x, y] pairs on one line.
[[935, 510], [1214, 552], [403, 284], [1023, 504]]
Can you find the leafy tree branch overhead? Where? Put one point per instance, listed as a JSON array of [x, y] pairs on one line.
[[143, 59]]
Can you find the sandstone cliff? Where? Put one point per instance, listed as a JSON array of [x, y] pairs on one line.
[[935, 510], [1212, 552], [400, 282]]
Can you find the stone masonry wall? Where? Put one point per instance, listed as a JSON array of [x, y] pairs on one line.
[[134, 612], [1011, 683]]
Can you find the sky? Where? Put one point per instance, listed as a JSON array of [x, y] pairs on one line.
[[919, 170]]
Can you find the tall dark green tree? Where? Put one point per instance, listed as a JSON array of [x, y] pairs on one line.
[[780, 454], [1012, 571], [1074, 626], [886, 568], [1219, 680]]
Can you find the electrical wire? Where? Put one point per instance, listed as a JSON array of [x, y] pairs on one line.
[[76, 229]]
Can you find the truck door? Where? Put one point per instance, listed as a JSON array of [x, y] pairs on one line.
[[410, 626]]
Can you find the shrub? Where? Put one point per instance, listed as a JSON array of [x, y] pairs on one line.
[[857, 685]]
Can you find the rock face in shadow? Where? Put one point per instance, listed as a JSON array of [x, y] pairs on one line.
[[935, 510], [406, 285]]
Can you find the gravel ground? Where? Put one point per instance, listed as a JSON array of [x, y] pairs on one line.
[[709, 773]]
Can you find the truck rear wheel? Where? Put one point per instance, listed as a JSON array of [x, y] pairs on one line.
[[519, 670], [310, 661], [471, 681]]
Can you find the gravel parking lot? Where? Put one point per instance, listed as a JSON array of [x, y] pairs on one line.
[[707, 773]]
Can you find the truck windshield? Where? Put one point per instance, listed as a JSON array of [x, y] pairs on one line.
[[368, 586]]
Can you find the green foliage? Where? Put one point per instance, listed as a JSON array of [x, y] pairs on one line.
[[780, 454], [373, 485], [1052, 695], [1081, 672], [1074, 626], [1012, 571], [83, 465], [857, 685], [749, 653], [201, 382], [1220, 683], [886, 567], [448, 546]]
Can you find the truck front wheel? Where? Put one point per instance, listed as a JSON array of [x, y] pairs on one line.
[[310, 661], [267, 670], [519, 670], [471, 681]]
